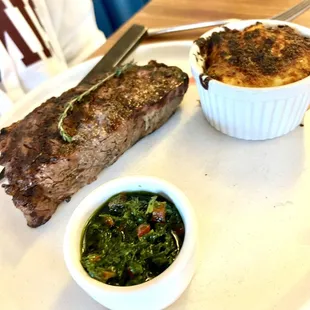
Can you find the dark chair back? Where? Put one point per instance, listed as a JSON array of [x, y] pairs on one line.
[[111, 14]]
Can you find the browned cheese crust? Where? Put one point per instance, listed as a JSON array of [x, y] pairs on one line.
[[257, 56]]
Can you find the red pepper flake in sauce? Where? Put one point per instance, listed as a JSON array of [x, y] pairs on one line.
[[159, 212], [143, 229]]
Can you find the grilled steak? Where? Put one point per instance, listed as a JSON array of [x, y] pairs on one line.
[[43, 170]]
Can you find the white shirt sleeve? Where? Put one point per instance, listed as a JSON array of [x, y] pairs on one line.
[[5, 103], [75, 27], [55, 34]]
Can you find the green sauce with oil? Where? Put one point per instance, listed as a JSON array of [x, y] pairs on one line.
[[131, 239]]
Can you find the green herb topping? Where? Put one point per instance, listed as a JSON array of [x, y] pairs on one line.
[[131, 239]]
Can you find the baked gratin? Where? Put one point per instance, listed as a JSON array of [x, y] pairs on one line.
[[257, 56]]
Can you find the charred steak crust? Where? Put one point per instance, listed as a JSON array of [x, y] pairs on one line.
[[43, 170]]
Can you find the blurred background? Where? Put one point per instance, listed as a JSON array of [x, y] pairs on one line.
[[111, 14]]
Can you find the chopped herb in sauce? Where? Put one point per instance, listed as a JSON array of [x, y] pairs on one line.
[[131, 239]]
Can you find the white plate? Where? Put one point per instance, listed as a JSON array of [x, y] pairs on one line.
[[252, 199]]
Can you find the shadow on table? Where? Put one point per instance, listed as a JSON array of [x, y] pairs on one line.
[[271, 164], [16, 237], [297, 298]]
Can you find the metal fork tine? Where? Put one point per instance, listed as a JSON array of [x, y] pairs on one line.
[[294, 11]]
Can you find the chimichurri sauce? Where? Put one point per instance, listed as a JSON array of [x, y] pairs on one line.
[[131, 239]]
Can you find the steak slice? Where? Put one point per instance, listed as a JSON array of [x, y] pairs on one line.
[[43, 170]]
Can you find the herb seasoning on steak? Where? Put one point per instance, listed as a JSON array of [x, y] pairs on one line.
[[43, 170]]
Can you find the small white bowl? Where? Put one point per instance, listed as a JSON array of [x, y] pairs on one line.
[[252, 113], [157, 293]]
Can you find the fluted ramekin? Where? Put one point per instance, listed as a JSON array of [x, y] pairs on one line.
[[252, 113]]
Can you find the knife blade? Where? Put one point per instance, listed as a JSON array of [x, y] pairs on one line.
[[2, 172], [119, 51]]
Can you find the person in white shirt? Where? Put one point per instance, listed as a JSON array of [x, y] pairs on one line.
[[41, 38]]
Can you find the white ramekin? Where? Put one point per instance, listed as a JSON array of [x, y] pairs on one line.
[[159, 292], [252, 113]]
